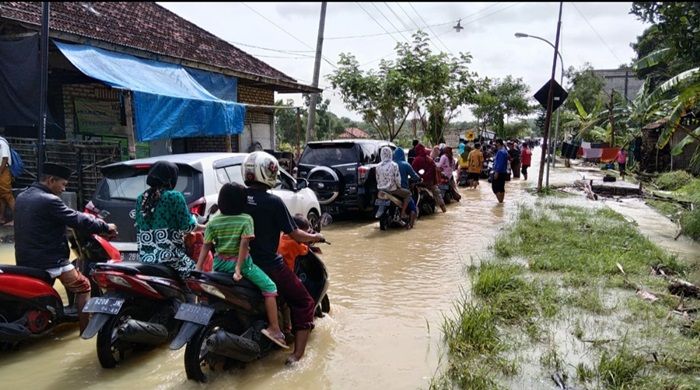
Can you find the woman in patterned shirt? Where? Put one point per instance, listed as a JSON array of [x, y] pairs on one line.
[[163, 220]]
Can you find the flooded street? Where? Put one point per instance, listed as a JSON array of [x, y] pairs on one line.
[[389, 292]]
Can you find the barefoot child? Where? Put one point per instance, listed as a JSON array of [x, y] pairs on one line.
[[230, 232]]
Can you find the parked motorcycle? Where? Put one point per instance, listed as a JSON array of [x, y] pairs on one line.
[[136, 311], [30, 306], [223, 329]]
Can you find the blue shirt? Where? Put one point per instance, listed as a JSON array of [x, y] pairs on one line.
[[405, 169], [500, 162]]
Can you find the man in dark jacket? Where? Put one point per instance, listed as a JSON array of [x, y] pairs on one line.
[[40, 232]]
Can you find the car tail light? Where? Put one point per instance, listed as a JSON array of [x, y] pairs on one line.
[[199, 206], [91, 209], [142, 166], [362, 174]]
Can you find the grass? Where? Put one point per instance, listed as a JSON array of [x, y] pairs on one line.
[[571, 239], [671, 181], [690, 224], [572, 255]]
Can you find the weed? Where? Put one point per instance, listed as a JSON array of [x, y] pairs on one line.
[[619, 371], [588, 299], [584, 373], [690, 224], [671, 181]]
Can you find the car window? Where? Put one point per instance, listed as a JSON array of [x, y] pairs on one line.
[[128, 183], [335, 154], [222, 176], [234, 174], [285, 181]]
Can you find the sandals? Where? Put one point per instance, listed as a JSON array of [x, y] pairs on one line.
[[277, 339]]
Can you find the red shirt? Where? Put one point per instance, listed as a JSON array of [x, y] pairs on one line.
[[525, 156]]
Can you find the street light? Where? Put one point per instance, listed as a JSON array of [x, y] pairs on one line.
[[556, 125]]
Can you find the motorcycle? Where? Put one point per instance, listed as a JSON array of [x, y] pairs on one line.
[[423, 196], [389, 211], [136, 311], [30, 306], [223, 329], [463, 178]]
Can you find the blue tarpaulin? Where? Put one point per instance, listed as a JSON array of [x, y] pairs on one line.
[[168, 101]]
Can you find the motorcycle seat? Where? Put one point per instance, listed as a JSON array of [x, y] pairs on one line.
[[226, 279], [27, 271], [388, 196], [132, 267]]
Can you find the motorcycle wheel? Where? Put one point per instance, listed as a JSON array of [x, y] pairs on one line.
[[427, 208], [197, 363], [110, 350]]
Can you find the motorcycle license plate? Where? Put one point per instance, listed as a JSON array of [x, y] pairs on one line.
[[194, 313], [381, 202], [104, 305]]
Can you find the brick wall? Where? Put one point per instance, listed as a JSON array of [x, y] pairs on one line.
[[88, 91], [248, 95]]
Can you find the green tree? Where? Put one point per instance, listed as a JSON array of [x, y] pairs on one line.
[[433, 85], [585, 86], [498, 99]]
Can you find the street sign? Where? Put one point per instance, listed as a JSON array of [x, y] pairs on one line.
[[557, 100]]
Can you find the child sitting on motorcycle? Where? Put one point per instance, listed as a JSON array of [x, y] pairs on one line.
[[231, 231]]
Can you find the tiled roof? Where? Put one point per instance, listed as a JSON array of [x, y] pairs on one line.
[[353, 132], [144, 26]]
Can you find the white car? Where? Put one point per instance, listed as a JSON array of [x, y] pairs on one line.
[[201, 176]]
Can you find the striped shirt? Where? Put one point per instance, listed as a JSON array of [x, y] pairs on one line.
[[225, 231]]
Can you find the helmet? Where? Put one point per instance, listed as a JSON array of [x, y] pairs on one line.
[[260, 167], [162, 174]]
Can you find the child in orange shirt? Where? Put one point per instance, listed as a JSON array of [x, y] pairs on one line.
[[289, 250]]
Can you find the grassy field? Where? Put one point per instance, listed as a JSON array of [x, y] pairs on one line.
[[569, 296]]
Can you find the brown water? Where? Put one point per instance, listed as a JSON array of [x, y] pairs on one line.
[[389, 291]]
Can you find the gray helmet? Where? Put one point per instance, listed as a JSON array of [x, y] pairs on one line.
[[260, 167]]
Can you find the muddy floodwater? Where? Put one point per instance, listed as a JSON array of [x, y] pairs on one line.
[[389, 292]]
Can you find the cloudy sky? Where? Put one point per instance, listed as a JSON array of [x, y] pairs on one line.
[[284, 35]]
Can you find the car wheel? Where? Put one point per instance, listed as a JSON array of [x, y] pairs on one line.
[[314, 220], [324, 181]]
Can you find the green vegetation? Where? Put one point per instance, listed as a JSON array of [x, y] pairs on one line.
[[690, 224], [671, 181], [572, 293]]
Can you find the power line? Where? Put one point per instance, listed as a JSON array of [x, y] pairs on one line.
[[375, 21], [487, 15], [388, 20], [288, 33], [416, 24], [596, 32], [269, 49], [396, 15], [429, 28]]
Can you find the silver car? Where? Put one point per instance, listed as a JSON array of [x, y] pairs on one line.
[[201, 176]]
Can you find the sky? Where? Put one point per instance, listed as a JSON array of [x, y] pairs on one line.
[[284, 36]]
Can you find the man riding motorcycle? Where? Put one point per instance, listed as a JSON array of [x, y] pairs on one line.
[[41, 218], [271, 217]]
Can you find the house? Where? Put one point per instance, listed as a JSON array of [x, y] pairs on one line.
[[88, 104], [623, 80], [128, 80], [353, 132]]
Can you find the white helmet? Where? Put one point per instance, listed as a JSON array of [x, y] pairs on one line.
[[260, 167]]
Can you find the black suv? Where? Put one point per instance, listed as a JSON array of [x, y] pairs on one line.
[[341, 174]]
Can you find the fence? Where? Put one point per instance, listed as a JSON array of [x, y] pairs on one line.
[[84, 157]]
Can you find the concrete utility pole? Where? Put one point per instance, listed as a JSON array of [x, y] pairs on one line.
[[550, 96], [310, 131]]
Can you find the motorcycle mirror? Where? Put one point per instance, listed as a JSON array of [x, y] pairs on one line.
[[326, 219]]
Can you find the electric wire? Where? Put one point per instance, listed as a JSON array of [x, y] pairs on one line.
[[429, 28], [596, 32]]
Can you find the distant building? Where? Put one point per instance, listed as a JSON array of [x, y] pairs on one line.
[[353, 132], [623, 80]]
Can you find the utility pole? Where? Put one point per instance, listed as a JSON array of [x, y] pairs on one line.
[[298, 110], [550, 96], [43, 91], [611, 119], [310, 131]]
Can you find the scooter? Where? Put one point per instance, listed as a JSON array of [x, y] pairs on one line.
[[223, 330], [30, 307], [388, 211], [136, 311], [425, 202], [463, 178]]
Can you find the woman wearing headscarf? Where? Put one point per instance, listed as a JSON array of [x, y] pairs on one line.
[[163, 220], [389, 179], [446, 166], [424, 162], [435, 153]]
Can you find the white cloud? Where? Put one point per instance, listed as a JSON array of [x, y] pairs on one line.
[[488, 35]]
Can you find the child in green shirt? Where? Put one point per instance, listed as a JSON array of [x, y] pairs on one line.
[[230, 232]]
